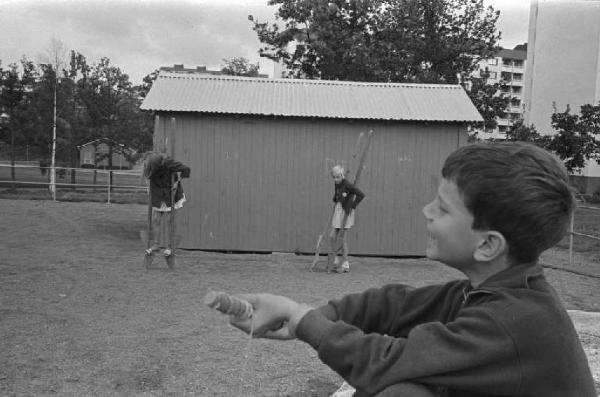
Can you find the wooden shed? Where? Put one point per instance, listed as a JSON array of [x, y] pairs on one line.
[[260, 152], [95, 154]]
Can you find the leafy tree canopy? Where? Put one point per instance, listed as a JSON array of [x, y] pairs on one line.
[[426, 41], [239, 66], [488, 99], [92, 101], [577, 140], [147, 82], [15, 93], [521, 132]]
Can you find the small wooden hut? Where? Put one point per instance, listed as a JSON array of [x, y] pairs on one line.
[[261, 149]]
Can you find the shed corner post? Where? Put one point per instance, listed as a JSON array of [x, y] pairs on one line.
[[155, 145], [171, 135]]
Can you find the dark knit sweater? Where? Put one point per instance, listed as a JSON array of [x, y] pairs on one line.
[[509, 337], [347, 194], [160, 182]]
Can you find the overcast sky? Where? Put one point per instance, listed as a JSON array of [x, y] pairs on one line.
[[139, 36]]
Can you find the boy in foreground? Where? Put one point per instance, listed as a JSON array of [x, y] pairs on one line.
[[500, 332]]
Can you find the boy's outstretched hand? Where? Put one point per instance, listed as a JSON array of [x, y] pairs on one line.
[[274, 316]]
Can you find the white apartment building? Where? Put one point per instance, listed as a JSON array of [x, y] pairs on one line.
[[564, 61], [508, 67]]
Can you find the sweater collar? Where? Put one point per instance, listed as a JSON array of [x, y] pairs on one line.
[[514, 277]]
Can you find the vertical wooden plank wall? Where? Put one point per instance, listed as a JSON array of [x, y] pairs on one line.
[[263, 184]]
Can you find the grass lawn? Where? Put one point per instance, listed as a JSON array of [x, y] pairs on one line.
[[81, 316]]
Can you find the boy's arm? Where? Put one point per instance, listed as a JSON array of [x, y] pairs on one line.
[[176, 166], [432, 353], [355, 196], [399, 307], [358, 196]]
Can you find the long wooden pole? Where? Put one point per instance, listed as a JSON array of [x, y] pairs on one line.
[[171, 258], [320, 240], [148, 236]]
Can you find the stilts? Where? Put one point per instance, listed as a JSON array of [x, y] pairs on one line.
[[170, 254], [148, 234]]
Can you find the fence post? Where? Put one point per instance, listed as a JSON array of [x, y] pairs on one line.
[[12, 167], [73, 179], [571, 238], [109, 182]]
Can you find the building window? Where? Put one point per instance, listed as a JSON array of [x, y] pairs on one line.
[[102, 149], [506, 76], [518, 63], [517, 76], [490, 75], [502, 128], [516, 90], [492, 61]]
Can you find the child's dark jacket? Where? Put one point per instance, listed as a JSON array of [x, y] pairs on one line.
[[510, 337], [160, 182], [347, 194]]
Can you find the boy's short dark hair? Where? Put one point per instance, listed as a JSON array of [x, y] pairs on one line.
[[517, 189]]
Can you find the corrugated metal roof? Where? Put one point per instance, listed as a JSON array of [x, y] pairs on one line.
[[178, 92]]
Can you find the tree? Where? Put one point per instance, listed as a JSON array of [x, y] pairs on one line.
[[147, 82], [143, 121], [521, 132], [107, 95], [239, 66], [71, 120], [488, 99], [73, 113], [577, 139], [57, 56], [14, 99], [426, 41], [92, 101]]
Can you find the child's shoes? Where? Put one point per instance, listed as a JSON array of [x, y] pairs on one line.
[[335, 267], [345, 267], [152, 250]]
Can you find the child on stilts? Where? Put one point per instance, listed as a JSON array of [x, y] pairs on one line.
[[159, 169], [346, 198]]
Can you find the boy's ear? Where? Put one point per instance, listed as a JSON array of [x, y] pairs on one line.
[[491, 245]]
